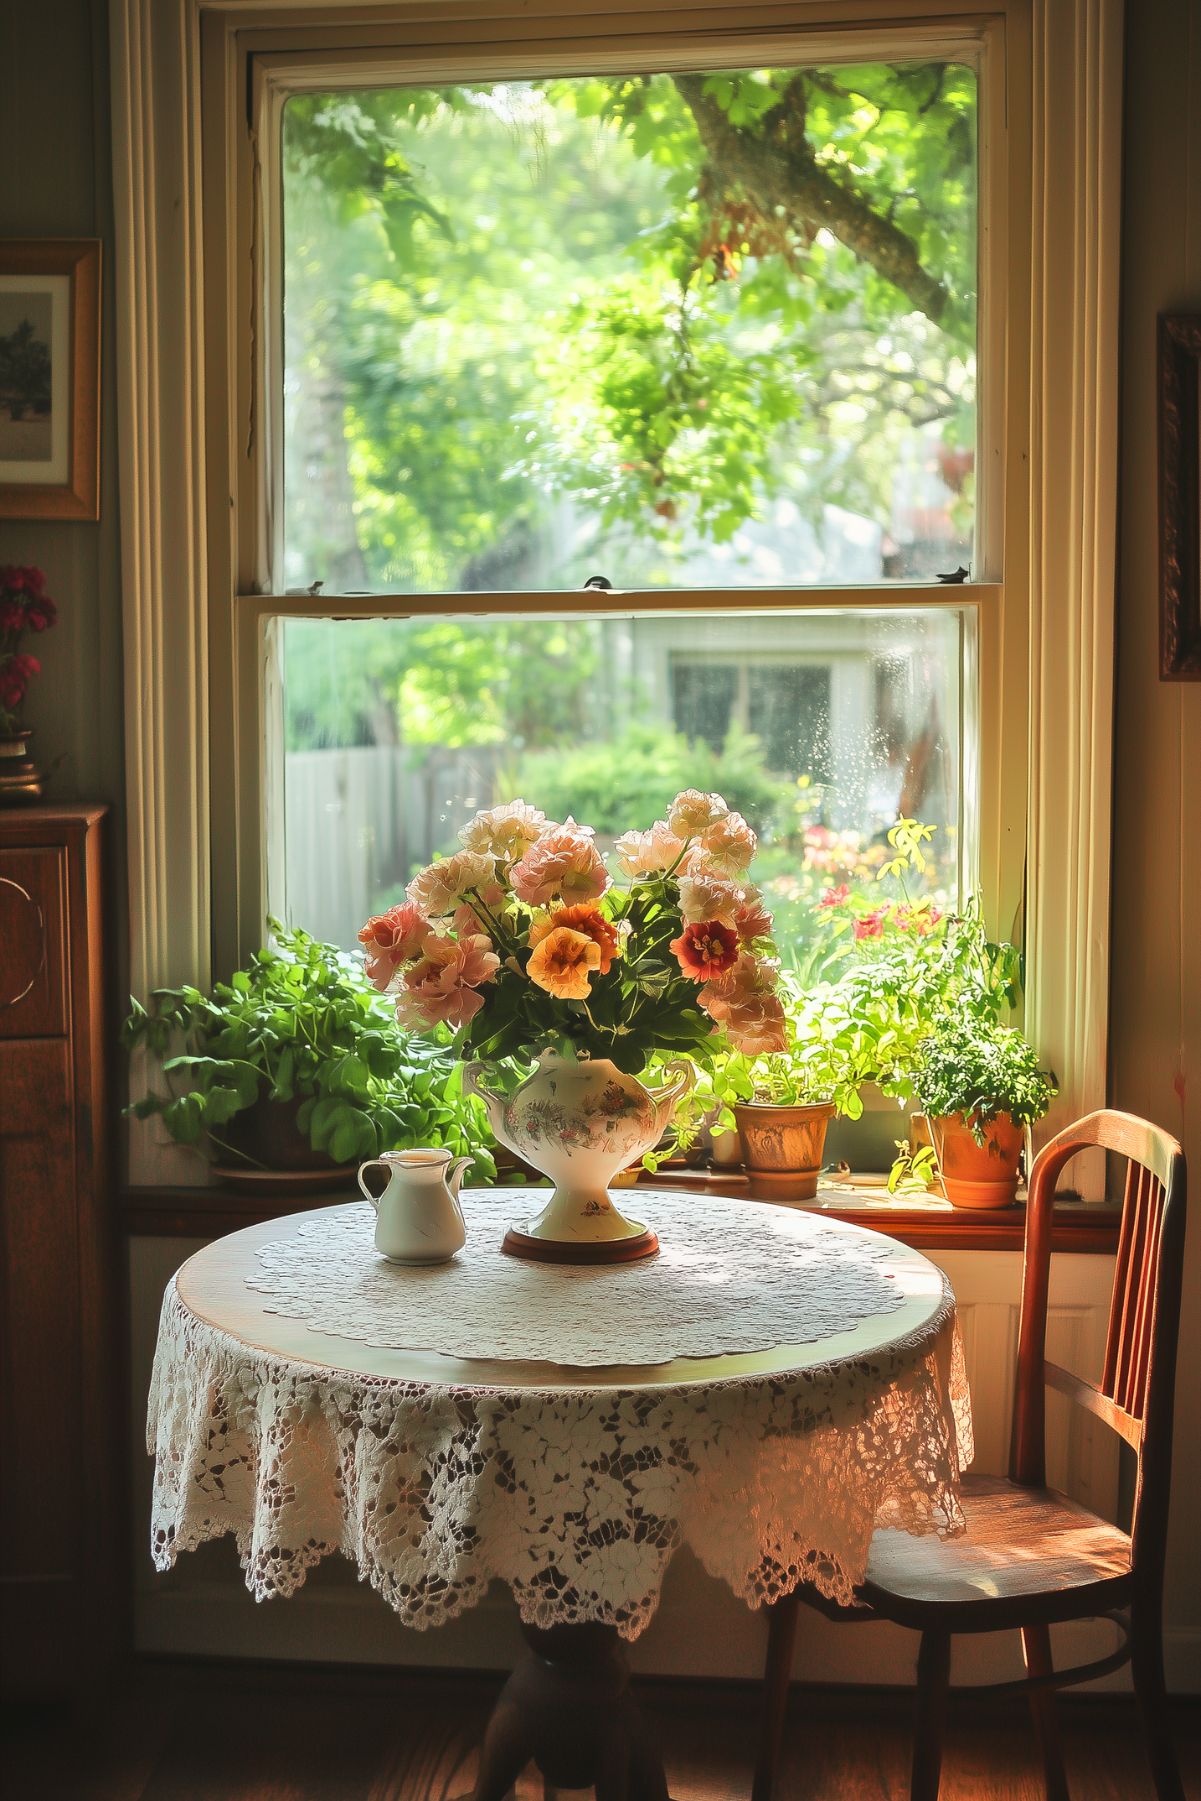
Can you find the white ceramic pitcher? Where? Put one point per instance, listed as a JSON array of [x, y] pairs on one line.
[[418, 1218]]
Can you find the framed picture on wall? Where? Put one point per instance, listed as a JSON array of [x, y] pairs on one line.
[[49, 378], [1180, 497]]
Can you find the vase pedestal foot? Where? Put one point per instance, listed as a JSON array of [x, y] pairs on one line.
[[580, 1250], [568, 1708]]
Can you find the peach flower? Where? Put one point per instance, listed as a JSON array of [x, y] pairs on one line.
[[729, 844], [706, 951], [743, 1000], [563, 864], [439, 888], [692, 812], [465, 920], [563, 963], [504, 832], [390, 939], [443, 985], [752, 920], [704, 895], [586, 919], [647, 853]]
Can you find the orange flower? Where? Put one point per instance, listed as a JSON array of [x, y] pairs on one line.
[[586, 919], [563, 962]]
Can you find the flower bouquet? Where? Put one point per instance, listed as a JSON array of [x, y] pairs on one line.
[[25, 606], [525, 944]]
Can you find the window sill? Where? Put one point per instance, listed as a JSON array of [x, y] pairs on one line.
[[1081, 1227]]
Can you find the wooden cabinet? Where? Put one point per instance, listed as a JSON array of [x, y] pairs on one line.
[[60, 1392]]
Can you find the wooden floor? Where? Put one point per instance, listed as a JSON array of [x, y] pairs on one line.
[[199, 1733]]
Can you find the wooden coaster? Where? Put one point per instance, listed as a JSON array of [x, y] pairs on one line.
[[566, 1250]]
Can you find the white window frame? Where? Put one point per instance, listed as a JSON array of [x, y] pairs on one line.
[[196, 89]]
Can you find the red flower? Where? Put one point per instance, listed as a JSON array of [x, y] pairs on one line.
[[707, 950], [871, 925], [834, 897]]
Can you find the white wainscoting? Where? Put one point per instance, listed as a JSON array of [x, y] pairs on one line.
[[202, 1608]]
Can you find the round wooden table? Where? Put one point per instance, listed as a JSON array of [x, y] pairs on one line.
[[568, 1706]]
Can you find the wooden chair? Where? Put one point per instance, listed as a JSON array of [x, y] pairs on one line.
[[1030, 1557]]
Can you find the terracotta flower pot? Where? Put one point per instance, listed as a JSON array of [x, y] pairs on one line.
[[785, 1143], [978, 1175]]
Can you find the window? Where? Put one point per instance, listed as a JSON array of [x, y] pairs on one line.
[[709, 333]]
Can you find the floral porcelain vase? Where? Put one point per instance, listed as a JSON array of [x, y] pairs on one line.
[[579, 1121]]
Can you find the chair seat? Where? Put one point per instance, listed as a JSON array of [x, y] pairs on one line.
[[1028, 1554]]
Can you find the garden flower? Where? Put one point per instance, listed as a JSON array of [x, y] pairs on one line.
[[647, 853], [390, 939], [729, 844], [834, 897], [707, 950], [563, 963], [443, 985], [563, 864], [704, 895], [504, 832], [438, 889], [586, 919], [692, 813], [871, 925]]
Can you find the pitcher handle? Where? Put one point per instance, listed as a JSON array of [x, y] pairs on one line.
[[372, 1163], [681, 1082]]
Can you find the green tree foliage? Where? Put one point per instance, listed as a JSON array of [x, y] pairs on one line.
[[653, 302]]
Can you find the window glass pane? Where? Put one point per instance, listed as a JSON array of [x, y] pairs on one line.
[[399, 729], [683, 330]]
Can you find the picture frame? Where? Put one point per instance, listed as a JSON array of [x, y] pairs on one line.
[[50, 378], [1179, 345]]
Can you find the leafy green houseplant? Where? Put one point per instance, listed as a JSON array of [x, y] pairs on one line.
[[980, 1085], [297, 1060]]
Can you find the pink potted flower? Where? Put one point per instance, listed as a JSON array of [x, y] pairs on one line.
[[25, 607]]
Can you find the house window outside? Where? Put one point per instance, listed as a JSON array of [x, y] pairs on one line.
[[704, 333]]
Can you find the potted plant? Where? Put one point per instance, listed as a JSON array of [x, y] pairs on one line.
[[296, 1064], [980, 1085]]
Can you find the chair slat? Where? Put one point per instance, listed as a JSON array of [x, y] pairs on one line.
[[1121, 1280], [1133, 1287], [1136, 1401]]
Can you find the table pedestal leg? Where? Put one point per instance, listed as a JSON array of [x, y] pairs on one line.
[[568, 1706]]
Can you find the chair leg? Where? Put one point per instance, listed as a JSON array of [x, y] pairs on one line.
[[1036, 1649], [933, 1681], [1146, 1660], [777, 1672]]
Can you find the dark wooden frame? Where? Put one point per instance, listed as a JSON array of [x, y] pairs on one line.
[[1179, 345], [79, 496], [1134, 1398]]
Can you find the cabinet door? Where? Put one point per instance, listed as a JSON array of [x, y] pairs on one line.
[[42, 1485], [33, 942]]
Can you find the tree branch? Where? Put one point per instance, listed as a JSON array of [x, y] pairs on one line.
[[782, 175]]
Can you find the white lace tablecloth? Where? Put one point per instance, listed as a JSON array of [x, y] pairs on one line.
[[309, 1398]]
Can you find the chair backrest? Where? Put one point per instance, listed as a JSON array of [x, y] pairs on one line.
[[1135, 1394]]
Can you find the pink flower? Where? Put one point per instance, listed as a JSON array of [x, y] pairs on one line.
[[648, 853], [704, 895], [744, 1001], [871, 925], [564, 865], [443, 986], [752, 920], [729, 844], [692, 812], [438, 889], [390, 939], [835, 897], [465, 920], [504, 832]]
